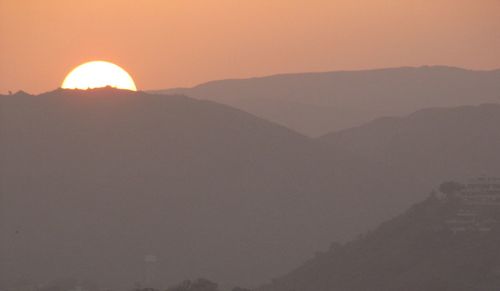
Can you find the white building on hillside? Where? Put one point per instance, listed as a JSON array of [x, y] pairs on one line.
[[481, 191]]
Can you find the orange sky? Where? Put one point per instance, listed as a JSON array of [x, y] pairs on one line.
[[169, 43]]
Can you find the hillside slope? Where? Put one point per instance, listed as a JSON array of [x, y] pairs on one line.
[[414, 251], [436, 143]]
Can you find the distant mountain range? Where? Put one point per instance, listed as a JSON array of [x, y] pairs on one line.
[[414, 251], [318, 103], [92, 181]]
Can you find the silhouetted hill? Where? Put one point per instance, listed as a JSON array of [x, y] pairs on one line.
[[317, 103], [92, 181], [431, 143], [414, 251], [415, 152]]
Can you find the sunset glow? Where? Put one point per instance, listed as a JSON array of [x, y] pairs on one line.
[[97, 74]]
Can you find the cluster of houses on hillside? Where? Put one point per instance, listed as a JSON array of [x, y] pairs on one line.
[[481, 191], [479, 205]]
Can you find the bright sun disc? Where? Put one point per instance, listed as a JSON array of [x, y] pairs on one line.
[[98, 74]]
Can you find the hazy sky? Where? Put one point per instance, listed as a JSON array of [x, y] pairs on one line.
[[169, 43]]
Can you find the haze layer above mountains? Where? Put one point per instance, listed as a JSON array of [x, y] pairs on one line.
[[92, 181], [319, 103]]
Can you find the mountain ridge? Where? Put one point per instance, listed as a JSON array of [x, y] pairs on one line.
[[312, 73], [321, 102]]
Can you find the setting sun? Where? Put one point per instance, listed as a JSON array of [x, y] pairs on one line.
[[97, 74]]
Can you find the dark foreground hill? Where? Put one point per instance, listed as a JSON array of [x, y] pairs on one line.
[[317, 103], [92, 181], [415, 251]]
